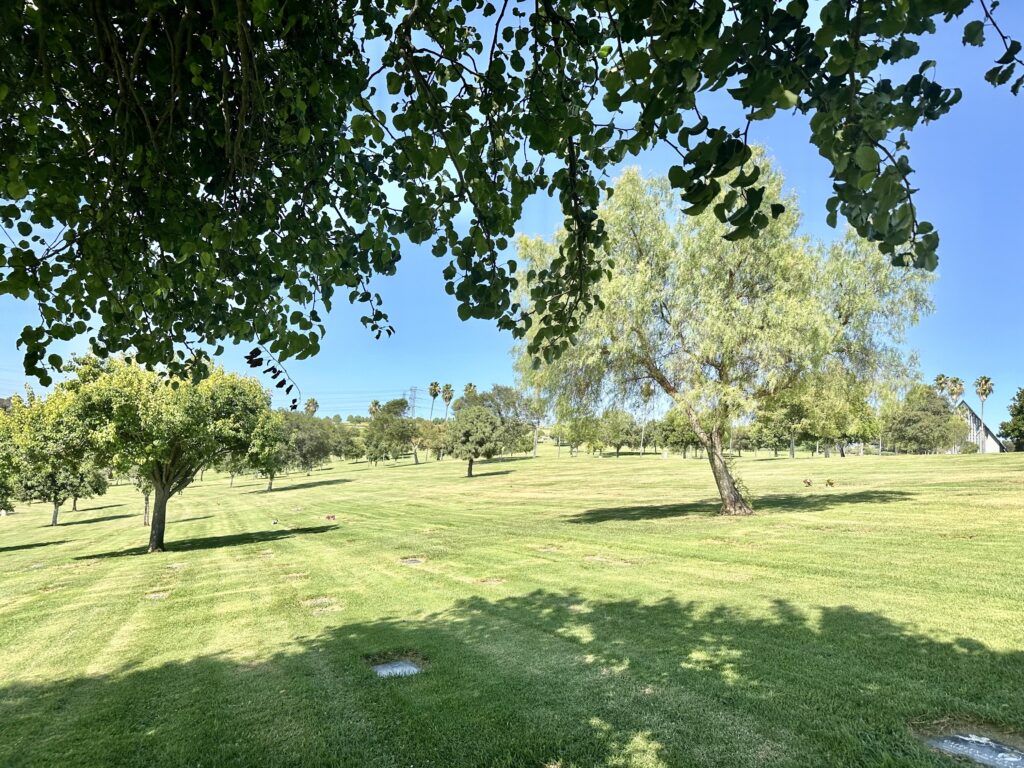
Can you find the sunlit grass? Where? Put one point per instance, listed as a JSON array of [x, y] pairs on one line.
[[568, 611]]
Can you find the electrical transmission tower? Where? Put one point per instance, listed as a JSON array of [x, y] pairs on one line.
[[412, 402]]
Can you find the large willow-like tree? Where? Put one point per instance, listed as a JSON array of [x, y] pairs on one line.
[[723, 326], [173, 174]]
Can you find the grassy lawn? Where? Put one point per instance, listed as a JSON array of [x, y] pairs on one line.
[[569, 611]]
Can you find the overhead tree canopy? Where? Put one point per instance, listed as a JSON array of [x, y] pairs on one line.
[[179, 174]]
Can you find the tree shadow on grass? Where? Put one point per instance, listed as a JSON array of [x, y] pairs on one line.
[[492, 473], [545, 678], [105, 519], [216, 542], [779, 502], [302, 486], [33, 545], [97, 509]]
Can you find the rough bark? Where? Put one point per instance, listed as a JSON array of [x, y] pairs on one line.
[[270, 482], [145, 509], [842, 450], [415, 456], [733, 502], [56, 511], [159, 519], [469, 468]]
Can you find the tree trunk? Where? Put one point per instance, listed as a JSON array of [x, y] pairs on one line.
[[469, 468], [536, 436], [792, 447], [842, 450], [145, 509], [270, 482], [159, 519], [643, 432], [415, 456], [232, 483], [733, 502], [74, 503], [56, 510]]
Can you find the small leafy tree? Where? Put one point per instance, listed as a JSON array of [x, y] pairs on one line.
[[436, 437], [8, 467], [1013, 429], [476, 433], [617, 428], [389, 434], [311, 440], [925, 422], [51, 447], [344, 441], [269, 450], [144, 486], [89, 481], [168, 431]]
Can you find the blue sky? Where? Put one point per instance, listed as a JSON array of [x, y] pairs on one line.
[[969, 166]]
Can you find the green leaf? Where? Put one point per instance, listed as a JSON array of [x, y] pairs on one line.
[[637, 64], [974, 33], [304, 135], [17, 189], [866, 157]]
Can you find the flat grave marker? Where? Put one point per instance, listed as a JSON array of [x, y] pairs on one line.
[[399, 668], [980, 750]]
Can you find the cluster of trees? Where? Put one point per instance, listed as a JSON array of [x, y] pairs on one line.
[[484, 424], [115, 419]]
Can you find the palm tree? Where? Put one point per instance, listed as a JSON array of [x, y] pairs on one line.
[[469, 390], [983, 386], [955, 389], [433, 390], [942, 384], [374, 407], [447, 393], [311, 407]]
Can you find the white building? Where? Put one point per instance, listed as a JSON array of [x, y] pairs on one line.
[[979, 434]]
